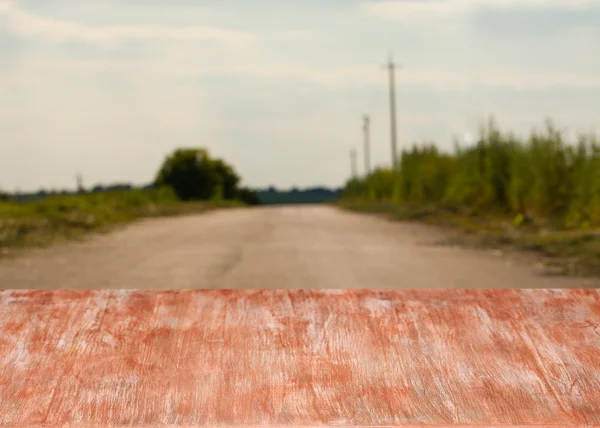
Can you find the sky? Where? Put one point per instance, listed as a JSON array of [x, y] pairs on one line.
[[107, 88]]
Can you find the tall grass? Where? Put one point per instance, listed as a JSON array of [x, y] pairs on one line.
[[541, 177]]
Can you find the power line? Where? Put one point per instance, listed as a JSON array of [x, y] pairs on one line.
[[353, 164]]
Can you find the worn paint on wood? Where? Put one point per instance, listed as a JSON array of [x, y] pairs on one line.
[[302, 358]]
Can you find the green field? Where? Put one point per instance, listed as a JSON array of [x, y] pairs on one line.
[[42, 222]]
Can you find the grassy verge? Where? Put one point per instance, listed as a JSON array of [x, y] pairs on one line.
[[539, 192], [44, 222], [565, 252]]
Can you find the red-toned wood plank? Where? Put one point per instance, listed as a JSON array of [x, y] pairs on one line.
[[301, 358]]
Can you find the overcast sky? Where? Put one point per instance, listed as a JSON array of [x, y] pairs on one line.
[[277, 88]]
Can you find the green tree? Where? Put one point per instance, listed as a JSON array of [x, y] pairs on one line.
[[193, 175], [228, 180]]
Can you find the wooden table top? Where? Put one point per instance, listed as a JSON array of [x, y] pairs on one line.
[[300, 358]]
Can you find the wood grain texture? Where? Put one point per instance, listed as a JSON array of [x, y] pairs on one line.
[[300, 358]]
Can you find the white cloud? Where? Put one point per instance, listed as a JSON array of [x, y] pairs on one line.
[[410, 11], [27, 24], [174, 70]]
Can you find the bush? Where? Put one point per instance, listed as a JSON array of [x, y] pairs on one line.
[[195, 176]]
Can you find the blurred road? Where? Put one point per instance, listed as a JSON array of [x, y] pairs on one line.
[[279, 247]]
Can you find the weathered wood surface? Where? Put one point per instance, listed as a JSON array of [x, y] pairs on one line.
[[300, 358]]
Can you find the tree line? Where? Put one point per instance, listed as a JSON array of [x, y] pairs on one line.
[[314, 195], [192, 174]]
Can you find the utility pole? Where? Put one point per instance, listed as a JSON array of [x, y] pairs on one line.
[[353, 164], [79, 180], [391, 67], [366, 125]]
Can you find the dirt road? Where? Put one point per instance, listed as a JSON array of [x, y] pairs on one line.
[[281, 247]]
